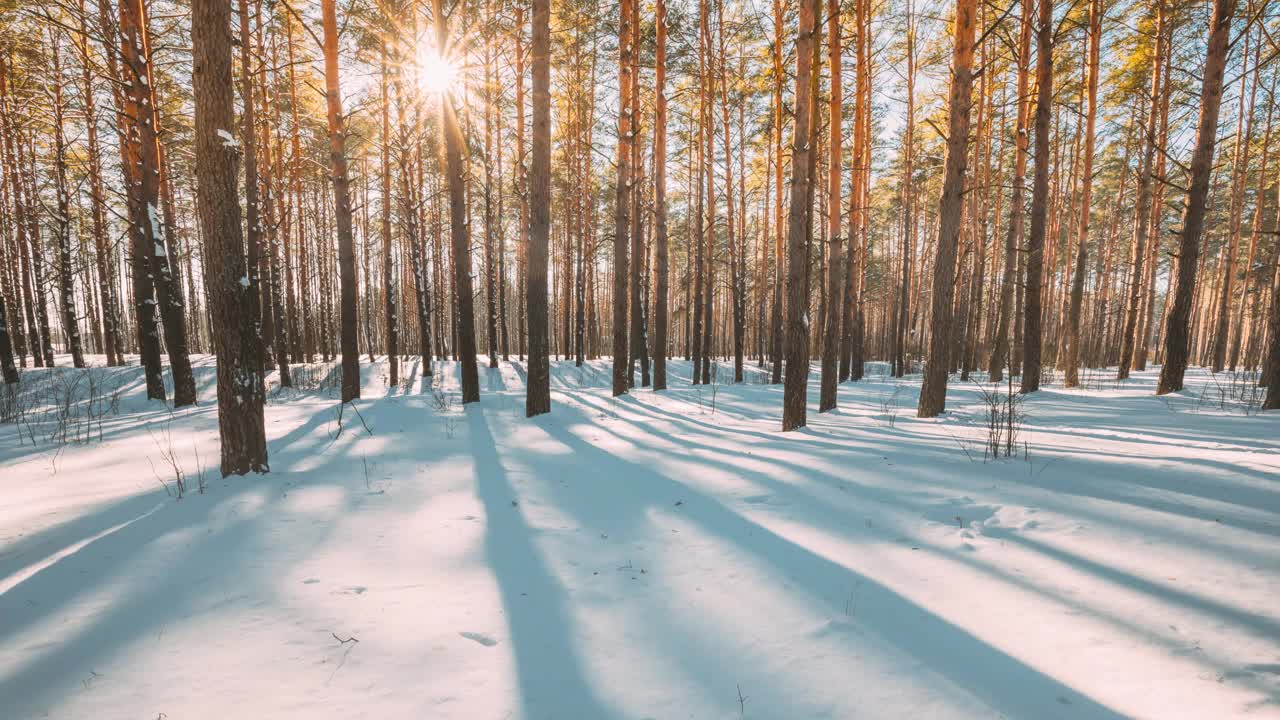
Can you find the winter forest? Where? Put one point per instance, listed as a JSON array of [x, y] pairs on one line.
[[767, 359]]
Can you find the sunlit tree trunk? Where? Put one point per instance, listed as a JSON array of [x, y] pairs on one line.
[[933, 393], [831, 335], [342, 207], [1071, 341], [1249, 281], [797, 346], [1000, 351], [1240, 170], [1142, 206], [661, 250]]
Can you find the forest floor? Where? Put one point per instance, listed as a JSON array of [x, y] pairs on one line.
[[662, 555]]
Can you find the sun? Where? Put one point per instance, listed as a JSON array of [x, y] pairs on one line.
[[437, 74]]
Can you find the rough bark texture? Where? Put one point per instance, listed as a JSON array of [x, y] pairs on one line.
[[933, 393], [153, 282], [797, 344], [775, 323], [538, 392], [342, 207], [621, 225], [1177, 326], [660, 248], [231, 299], [835, 257]]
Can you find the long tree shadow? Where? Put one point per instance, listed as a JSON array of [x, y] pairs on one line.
[[40, 545], [45, 672], [823, 511], [552, 681], [925, 455], [184, 559], [918, 505], [968, 662]]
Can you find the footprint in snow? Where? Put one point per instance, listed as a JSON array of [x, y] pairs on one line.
[[484, 640], [311, 581]]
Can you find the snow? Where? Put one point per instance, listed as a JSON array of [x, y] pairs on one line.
[[228, 140], [157, 230], [651, 556]]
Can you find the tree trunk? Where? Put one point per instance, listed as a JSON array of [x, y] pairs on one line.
[[736, 260], [232, 300], [638, 341], [1142, 208], [1246, 311], [538, 388], [1240, 170], [1177, 327], [1000, 351], [249, 143], [303, 337], [490, 237], [522, 188], [1039, 200], [342, 207], [621, 225], [62, 212], [152, 279], [388, 265], [1271, 367], [661, 251], [835, 259], [7, 368], [797, 347], [933, 392], [1071, 361], [776, 332]]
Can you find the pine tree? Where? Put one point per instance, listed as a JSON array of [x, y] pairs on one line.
[[232, 300], [1177, 335]]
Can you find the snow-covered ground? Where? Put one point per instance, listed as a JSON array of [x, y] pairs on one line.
[[666, 555]]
